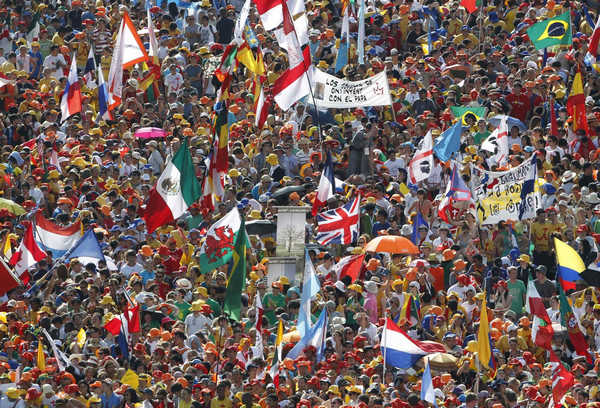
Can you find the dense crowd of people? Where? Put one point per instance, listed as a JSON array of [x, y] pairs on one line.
[[57, 349]]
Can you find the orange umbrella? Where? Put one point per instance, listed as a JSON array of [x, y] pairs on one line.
[[392, 244]]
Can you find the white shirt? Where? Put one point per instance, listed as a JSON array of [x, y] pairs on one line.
[[460, 290], [127, 270], [173, 82], [194, 324], [50, 62], [394, 165]]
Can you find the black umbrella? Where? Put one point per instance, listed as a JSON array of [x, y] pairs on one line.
[[260, 227], [282, 195]]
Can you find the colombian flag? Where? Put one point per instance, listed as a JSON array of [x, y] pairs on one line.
[[570, 264]]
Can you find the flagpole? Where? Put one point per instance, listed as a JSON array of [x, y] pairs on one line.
[[312, 95]]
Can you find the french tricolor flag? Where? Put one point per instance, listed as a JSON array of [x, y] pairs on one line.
[[401, 351], [70, 102], [55, 238]]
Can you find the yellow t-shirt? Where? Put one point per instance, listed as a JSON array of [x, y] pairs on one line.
[[217, 403]]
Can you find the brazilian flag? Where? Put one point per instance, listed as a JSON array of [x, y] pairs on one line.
[[464, 112], [554, 31]]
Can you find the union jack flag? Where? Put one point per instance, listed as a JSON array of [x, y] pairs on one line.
[[339, 226]]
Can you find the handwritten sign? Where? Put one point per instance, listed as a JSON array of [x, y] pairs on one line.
[[333, 92]]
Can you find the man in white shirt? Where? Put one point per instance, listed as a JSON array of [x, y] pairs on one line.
[[196, 321], [394, 163], [173, 79], [56, 62], [131, 266]]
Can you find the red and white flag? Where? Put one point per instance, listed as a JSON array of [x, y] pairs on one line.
[[70, 103], [8, 280], [272, 14], [294, 84], [541, 329], [421, 165], [562, 380], [257, 349], [261, 107], [129, 50], [349, 266], [595, 39], [28, 254]]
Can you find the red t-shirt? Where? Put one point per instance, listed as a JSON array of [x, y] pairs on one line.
[[520, 105]]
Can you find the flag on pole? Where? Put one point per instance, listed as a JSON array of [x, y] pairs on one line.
[[103, 112], [257, 349], [541, 328], [350, 265], [28, 254], [340, 225], [484, 342], [570, 264], [41, 357], [219, 243], [361, 32], [427, 389], [89, 70], [569, 320], [576, 104], [274, 371], [497, 143], [421, 165], [81, 337], [562, 379], [128, 51], [595, 39], [176, 189], [262, 104], [70, 103], [314, 337], [310, 288], [402, 351], [449, 142], [326, 188], [553, 31], [456, 190], [237, 276]]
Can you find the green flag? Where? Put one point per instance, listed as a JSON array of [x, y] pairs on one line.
[[554, 31], [464, 112], [237, 276]]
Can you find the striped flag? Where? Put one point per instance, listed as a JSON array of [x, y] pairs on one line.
[[274, 371]]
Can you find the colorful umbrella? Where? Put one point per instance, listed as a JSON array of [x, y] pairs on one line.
[[12, 207], [150, 133], [392, 244]]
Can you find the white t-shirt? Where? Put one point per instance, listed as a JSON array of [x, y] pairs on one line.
[[394, 165], [194, 324], [173, 82], [50, 62], [127, 270]]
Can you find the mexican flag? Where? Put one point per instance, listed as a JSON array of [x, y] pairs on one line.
[[176, 189], [217, 249]]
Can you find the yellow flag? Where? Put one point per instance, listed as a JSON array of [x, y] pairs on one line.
[[7, 250], [81, 338], [246, 57], [131, 378], [484, 348], [41, 358]]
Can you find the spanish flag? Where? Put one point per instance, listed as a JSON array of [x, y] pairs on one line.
[[576, 104], [484, 342], [570, 264], [246, 57]]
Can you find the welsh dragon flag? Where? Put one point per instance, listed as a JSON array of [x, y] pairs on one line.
[[175, 191], [217, 248], [541, 329]]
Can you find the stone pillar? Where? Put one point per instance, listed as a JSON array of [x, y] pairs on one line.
[[290, 235]]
